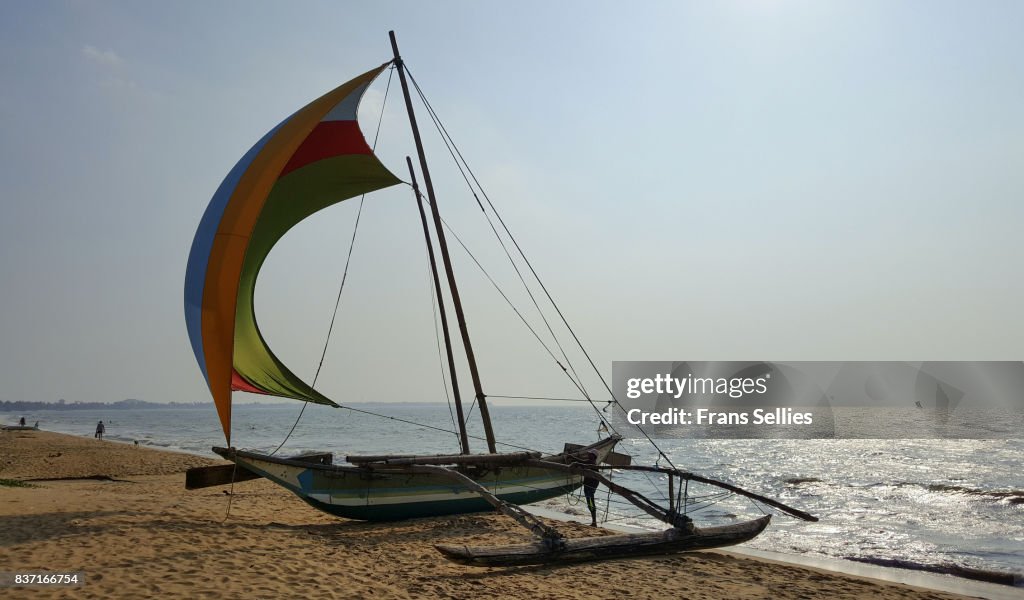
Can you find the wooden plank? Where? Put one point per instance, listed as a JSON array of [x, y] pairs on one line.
[[365, 458], [508, 458], [606, 547]]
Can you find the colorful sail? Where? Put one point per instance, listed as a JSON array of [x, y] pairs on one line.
[[313, 159]]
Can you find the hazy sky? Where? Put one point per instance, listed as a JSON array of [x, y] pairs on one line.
[[695, 181]]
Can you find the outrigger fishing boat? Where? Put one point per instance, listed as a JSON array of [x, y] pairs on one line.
[[318, 157]]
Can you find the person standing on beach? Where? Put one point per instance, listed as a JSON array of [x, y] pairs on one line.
[[590, 484], [22, 422], [100, 430]]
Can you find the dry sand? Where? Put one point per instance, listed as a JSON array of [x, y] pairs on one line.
[[140, 534]]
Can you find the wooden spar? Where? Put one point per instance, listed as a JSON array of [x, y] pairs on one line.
[[442, 244], [671, 495], [550, 536], [361, 458], [639, 500], [463, 435], [511, 458], [789, 510]]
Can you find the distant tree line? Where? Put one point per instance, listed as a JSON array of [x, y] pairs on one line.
[[15, 406]]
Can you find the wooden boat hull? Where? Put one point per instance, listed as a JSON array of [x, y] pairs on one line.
[[378, 495], [607, 547]]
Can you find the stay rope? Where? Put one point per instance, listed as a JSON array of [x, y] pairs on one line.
[[400, 420], [440, 355], [461, 161], [504, 296]]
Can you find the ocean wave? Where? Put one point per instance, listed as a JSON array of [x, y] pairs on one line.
[[1007, 496], [800, 480], [990, 576]]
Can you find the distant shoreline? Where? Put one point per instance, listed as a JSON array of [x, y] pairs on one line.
[[21, 405], [8, 406]]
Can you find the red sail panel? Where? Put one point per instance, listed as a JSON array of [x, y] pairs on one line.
[[328, 139], [239, 384]]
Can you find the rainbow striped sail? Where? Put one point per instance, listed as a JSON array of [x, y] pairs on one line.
[[313, 159]]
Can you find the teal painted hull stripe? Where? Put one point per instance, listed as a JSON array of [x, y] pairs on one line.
[[425, 489], [413, 508]]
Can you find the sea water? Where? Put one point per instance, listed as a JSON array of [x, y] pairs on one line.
[[914, 503]]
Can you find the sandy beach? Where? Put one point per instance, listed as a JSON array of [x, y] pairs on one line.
[[121, 515]]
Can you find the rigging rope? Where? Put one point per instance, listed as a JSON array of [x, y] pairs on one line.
[[440, 356], [504, 296], [231, 494], [453, 150], [538, 398], [537, 278], [459, 162], [475, 437], [515, 309]]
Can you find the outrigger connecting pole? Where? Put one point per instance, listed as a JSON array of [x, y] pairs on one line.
[[642, 502], [549, 535], [684, 476]]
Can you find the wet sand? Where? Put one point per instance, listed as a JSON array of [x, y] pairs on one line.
[[136, 532]]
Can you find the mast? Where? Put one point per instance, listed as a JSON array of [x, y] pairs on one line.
[[485, 414], [463, 436]]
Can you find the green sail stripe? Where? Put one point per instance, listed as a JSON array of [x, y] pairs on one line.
[[293, 198]]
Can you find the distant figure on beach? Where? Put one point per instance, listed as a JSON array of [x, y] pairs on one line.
[[100, 430], [590, 486], [22, 422], [36, 425]]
